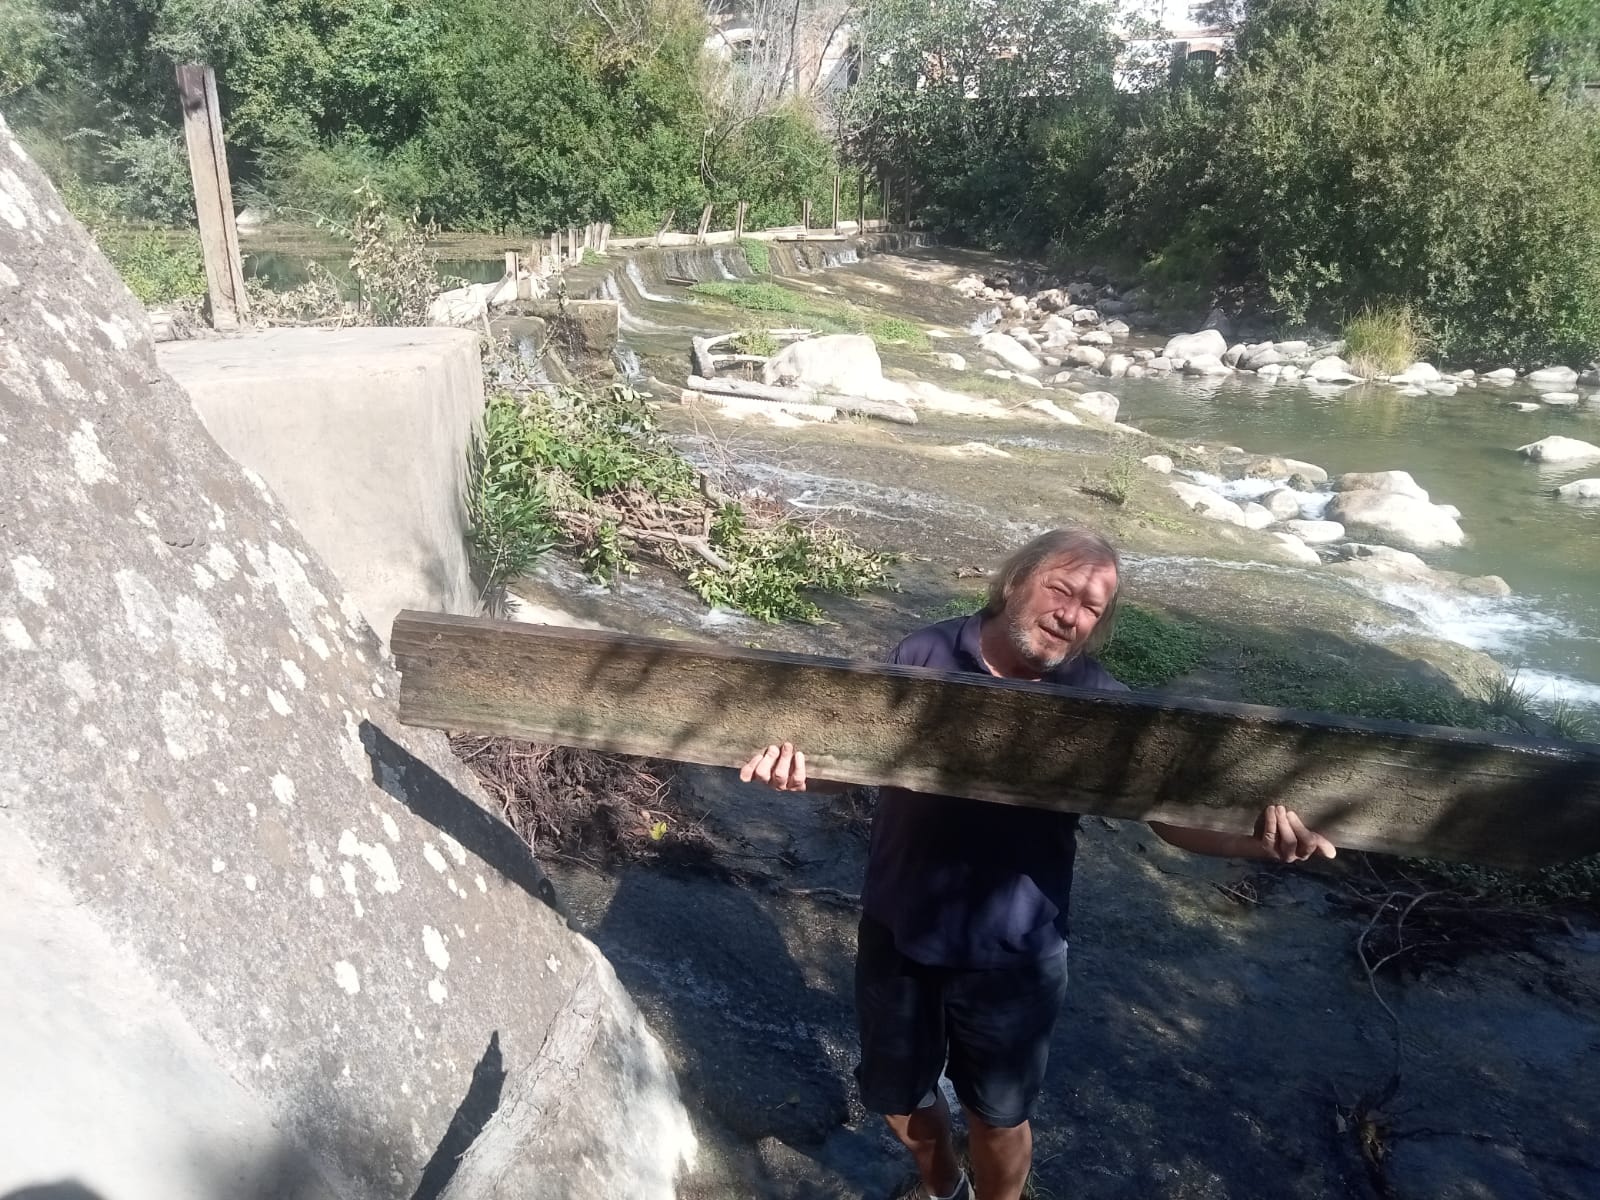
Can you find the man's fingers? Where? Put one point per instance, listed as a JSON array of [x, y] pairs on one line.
[[1284, 841], [747, 772], [799, 777], [762, 764], [1305, 840], [780, 770]]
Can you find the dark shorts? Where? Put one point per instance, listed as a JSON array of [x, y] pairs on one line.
[[988, 1030]]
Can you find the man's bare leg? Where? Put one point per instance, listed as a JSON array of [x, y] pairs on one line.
[[926, 1133], [1000, 1158]]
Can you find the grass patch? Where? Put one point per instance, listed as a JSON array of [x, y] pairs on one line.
[[158, 267], [825, 316], [1149, 650], [1120, 478], [589, 472], [1382, 340], [757, 255]]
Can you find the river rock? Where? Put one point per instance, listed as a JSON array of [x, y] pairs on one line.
[[1256, 516], [1443, 387], [1117, 328], [1234, 355], [1268, 371], [846, 363], [1417, 372], [1558, 377], [1288, 373], [1527, 406], [1050, 300], [950, 359], [1294, 549], [1331, 369], [1013, 377], [1316, 533], [1098, 404], [1099, 337], [1159, 363], [1398, 482], [1559, 449], [1142, 356], [1396, 517], [1311, 471], [1449, 510], [1116, 366], [1017, 304], [1580, 489], [1162, 465], [1559, 398], [1009, 351], [1195, 345], [1267, 356], [276, 942], [1085, 316], [1085, 356], [1206, 364], [1136, 371], [1054, 411], [1501, 375], [1284, 504], [1207, 503]]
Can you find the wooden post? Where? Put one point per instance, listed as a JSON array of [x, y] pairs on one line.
[[738, 221], [837, 184], [1388, 786], [888, 218], [213, 194], [705, 225], [665, 225], [605, 237], [861, 204], [555, 248], [805, 215]]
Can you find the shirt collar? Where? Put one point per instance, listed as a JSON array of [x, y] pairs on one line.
[[970, 648]]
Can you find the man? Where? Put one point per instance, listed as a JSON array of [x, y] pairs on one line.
[[961, 964]]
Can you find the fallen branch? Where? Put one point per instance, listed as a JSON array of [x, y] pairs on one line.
[[749, 404], [751, 390], [698, 544], [884, 410]]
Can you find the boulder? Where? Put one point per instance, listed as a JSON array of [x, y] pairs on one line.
[[1560, 449], [1257, 517], [1267, 357], [1097, 404], [1315, 533], [1116, 366], [1557, 377], [1207, 503], [1443, 387], [1417, 372], [1288, 372], [1399, 482], [1269, 371], [1195, 345], [846, 363], [1009, 351], [1143, 356], [1526, 406], [1501, 375], [948, 358], [1220, 321], [1392, 516], [1017, 304], [1310, 470], [1234, 355], [1284, 504], [1580, 489], [1449, 510], [1206, 364], [1085, 316], [1292, 549], [1051, 300], [253, 925], [1136, 371], [1085, 356], [1560, 398], [1057, 324], [1292, 349], [1098, 337], [1159, 363], [1385, 564], [1054, 411], [1331, 369], [1117, 328], [1162, 465]]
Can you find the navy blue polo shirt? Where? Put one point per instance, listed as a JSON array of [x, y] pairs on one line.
[[968, 883]]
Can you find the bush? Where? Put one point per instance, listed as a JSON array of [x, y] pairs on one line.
[[757, 256], [158, 267], [1382, 340]]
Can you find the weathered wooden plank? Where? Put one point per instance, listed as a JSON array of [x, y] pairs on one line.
[[213, 194], [1373, 785]]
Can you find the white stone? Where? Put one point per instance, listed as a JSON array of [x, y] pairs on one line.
[[1008, 350], [1399, 482], [1443, 388], [1331, 369], [1294, 549], [1159, 363], [1284, 504], [1580, 489], [845, 363], [1560, 397], [1098, 338], [1054, 411], [1196, 345], [1417, 372], [946, 358], [1207, 503], [978, 450], [1390, 516], [1116, 366], [1562, 377], [1257, 517], [1559, 449], [1085, 356], [1501, 375], [1159, 463], [1206, 364], [1289, 372], [1311, 471], [1098, 404], [1234, 355], [1315, 533]]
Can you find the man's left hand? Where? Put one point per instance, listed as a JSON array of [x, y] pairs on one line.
[[1283, 836]]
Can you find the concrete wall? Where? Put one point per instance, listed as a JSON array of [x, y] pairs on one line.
[[363, 435]]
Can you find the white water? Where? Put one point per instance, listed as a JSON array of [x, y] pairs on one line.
[[636, 277]]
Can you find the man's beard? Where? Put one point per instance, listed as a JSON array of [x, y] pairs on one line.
[[1018, 633]]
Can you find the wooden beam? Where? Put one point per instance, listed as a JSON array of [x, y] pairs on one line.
[[837, 184], [1370, 785], [666, 224], [705, 224], [213, 194], [861, 203], [805, 215], [738, 221]]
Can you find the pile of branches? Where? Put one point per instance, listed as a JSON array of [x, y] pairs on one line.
[[575, 803]]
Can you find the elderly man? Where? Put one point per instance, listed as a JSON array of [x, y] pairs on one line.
[[961, 962]]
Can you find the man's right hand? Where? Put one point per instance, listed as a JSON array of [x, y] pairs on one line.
[[782, 767]]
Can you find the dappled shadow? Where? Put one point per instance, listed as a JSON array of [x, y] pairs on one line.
[[473, 1113]]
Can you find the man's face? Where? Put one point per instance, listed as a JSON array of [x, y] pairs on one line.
[[1050, 616]]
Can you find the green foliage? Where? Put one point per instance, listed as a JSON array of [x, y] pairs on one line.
[[757, 256], [896, 331], [1121, 477], [1148, 650], [756, 341], [771, 567], [824, 315], [397, 273], [1382, 340], [756, 297], [591, 472], [158, 267]]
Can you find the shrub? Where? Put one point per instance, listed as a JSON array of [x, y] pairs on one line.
[[158, 267], [1382, 340], [757, 256]]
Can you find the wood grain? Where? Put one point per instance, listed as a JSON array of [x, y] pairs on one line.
[[1372, 785]]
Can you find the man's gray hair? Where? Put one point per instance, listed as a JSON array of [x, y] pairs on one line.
[[1069, 544]]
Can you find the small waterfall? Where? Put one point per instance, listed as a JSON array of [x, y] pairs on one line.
[[636, 277], [627, 362], [722, 266], [840, 258], [985, 322]]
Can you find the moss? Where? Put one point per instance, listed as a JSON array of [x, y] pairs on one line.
[[1149, 650]]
